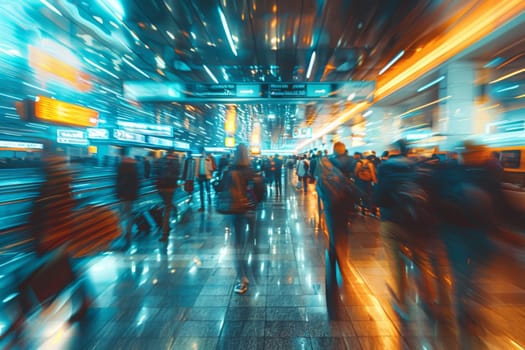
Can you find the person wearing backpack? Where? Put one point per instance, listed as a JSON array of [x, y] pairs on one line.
[[302, 173], [365, 176], [406, 214], [168, 175], [338, 194], [127, 188]]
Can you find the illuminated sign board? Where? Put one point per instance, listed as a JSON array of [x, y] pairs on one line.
[[248, 90], [159, 142], [44, 62], [181, 145], [59, 112], [354, 91], [146, 129], [229, 142], [72, 137], [152, 91], [212, 90], [97, 133], [6, 145], [287, 90], [319, 90], [302, 133], [123, 135]]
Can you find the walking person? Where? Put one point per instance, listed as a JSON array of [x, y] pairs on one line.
[[240, 175], [203, 172], [169, 173], [278, 173], [365, 177], [127, 188], [302, 173]]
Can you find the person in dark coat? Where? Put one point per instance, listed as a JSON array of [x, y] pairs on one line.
[[127, 188], [167, 181]]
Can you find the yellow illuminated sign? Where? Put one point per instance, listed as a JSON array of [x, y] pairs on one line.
[[230, 122], [229, 142], [42, 61], [59, 112]]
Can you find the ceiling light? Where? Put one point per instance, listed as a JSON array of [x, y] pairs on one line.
[[113, 7], [153, 27], [160, 62], [210, 74], [508, 76], [424, 87], [135, 67], [513, 87], [170, 35], [495, 62], [392, 61], [100, 68], [51, 7], [227, 31], [310, 66]]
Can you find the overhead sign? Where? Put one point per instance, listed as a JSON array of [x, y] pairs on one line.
[[184, 146], [152, 91], [98, 133], [72, 137], [146, 129], [354, 91], [287, 90], [123, 135], [302, 133], [211, 90], [60, 112], [156, 141], [13, 145]]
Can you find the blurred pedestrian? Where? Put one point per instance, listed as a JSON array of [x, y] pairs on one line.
[[203, 171], [127, 188], [169, 174], [242, 189]]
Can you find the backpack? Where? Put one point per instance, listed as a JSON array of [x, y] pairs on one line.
[[411, 201], [169, 173], [365, 173], [333, 186]]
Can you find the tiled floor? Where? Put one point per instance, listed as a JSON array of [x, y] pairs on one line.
[[180, 295]]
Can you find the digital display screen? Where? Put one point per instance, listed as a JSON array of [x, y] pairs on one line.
[[144, 91], [211, 90], [287, 90], [98, 133], [72, 137], [8, 145], [159, 142], [59, 112], [123, 135], [181, 145], [146, 129]]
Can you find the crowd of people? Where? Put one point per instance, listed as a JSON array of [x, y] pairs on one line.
[[445, 215]]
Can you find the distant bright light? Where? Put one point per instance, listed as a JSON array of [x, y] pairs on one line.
[[170, 35], [51, 7], [210, 74], [113, 7], [227, 31], [135, 67], [434, 82], [392, 61], [310, 66], [367, 113], [513, 87], [160, 62]]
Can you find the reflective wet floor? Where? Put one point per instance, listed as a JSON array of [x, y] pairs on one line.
[[180, 295]]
